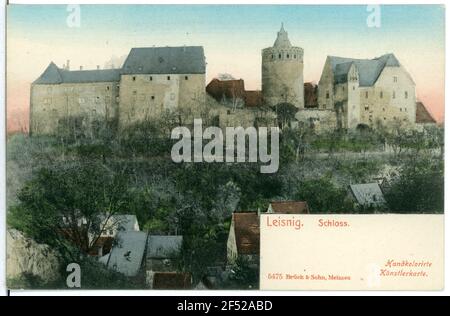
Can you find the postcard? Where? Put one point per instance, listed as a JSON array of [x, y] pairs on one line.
[[225, 147]]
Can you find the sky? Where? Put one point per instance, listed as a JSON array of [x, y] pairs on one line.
[[232, 36]]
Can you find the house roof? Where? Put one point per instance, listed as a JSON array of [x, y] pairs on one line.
[[55, 75], [160, 247], [246, 230], [422, 114], [368, 194], [253, 98], [165, 60], [368, 69], [228, 89], [126, 256], [290, 207], [171, 280]]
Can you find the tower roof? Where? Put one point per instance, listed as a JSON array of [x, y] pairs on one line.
[[282, 40]]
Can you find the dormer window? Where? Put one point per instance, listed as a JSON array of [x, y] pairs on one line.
[[140, 68], [134, 78], [168, 77], [150, 78]]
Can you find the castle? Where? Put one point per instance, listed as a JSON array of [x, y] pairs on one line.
[[351, 92]]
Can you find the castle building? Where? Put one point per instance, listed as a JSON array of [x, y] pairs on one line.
[[152, 80], [367, 91], [282, 73], [351, 92]]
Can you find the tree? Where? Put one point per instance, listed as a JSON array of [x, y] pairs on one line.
[[285, 113], [323, 196], [69, 207]]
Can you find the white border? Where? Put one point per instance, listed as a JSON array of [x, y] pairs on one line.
[[188, 293]]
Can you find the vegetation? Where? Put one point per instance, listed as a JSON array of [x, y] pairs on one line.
[[53, 181]]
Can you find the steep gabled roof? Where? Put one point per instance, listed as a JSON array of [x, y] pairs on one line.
[[246, 230], [422, 114], [51, 75], [165, 60], [369, 69], [55, 75], [289, 207]]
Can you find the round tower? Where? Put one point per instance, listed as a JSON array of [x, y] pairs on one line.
[[282, 72]]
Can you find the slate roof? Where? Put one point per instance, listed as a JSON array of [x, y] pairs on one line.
[[165, 60], [246, 230], [369, 69], [161, 247], [368, 194], [422, 114], [282, 40], [126, 256], [289, 207], [54, 75]]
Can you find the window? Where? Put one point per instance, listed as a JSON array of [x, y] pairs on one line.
[[366, 108], [168, 77], [393, 94], [134, 92], [47, 101], [383, 109], [153, 97], [81, 100], [401, 109], [228, 112], [287, 56], [328, 95], [406, 94], [324, 106], [97, 100], [381, 95], [367, 94], [384, 118], [295, 56], [107, 88], [117, 99], [186, 77], [353, 88], [406, 110], [151, 78], [395, 78], [134, 78], [272, 56], [172, 96], [279, 56], [343, 88]]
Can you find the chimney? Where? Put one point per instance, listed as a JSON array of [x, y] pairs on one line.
[[81, 67], [68, 64], [98, 67], [64, 66]]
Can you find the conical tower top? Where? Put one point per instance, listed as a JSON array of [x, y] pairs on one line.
[[282, 40]]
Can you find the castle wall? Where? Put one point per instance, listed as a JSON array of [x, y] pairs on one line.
[[325, 98], [51, 102], [147, 96]]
